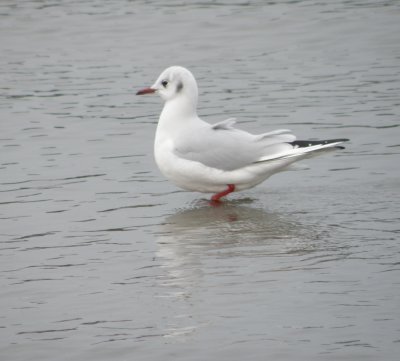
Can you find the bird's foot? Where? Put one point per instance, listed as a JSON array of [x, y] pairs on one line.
[[216, 198]]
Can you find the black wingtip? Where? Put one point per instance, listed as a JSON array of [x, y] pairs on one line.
[[309, 143]]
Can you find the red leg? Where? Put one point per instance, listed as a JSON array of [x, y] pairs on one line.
[[218, 196]]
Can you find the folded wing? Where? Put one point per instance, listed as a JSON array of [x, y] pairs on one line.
[[224, 147]]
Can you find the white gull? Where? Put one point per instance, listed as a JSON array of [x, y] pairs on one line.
[[217, 158]]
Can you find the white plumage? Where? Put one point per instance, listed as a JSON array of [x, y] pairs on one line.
[[217, 158]]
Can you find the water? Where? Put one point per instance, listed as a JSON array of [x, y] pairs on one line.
[[101, 258]]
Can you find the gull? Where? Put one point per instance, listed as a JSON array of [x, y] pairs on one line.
[[217, 158]]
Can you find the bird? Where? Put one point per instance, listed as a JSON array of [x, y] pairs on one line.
[[217, 158]]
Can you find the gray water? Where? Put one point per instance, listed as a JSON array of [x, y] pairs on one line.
[[101, 258]]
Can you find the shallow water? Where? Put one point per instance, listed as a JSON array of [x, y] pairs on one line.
[[101, 258]]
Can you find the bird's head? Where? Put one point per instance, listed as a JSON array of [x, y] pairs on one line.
[[174, 82]]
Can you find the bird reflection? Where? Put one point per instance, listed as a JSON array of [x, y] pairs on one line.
[[229, 223], [192, 238]]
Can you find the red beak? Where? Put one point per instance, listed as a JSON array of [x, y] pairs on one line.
[[146, 91]]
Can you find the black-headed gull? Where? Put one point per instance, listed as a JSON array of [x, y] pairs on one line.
[[217, 158]]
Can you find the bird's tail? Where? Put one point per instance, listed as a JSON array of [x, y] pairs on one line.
[[305, 149]]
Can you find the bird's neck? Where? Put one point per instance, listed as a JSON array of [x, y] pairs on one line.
[[177, 112]]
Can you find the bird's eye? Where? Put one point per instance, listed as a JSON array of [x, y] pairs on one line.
[[164, 83]]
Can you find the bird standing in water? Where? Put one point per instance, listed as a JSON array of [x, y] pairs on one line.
[[217, 158]]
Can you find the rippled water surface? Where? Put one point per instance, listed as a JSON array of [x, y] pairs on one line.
[[101, 258]]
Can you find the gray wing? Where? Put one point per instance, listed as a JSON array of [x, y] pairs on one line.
[[224, 147]]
